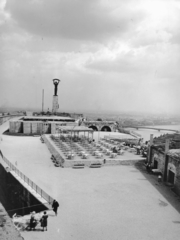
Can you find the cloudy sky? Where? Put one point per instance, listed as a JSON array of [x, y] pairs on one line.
[[110, 55]]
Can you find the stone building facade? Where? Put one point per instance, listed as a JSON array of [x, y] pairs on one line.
[[109, 126], [39, 125], [168, 163]]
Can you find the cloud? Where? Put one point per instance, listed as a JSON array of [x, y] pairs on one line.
[[85, 20], [110, 55]]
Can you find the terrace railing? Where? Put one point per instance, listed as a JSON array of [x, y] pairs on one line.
[[30, 183]]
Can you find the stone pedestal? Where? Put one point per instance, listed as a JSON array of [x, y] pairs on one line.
[[55, 104]]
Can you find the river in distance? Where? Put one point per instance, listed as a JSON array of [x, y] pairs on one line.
[[145, 133]]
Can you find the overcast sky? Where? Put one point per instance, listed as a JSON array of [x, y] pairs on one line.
[[118, 55]]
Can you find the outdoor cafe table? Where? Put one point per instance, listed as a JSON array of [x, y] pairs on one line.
[[95, 153], [99, 154], [85, 156], [104, 150], [81, 153], [113, 155], [108, 152], [70, 155], [121, 152]]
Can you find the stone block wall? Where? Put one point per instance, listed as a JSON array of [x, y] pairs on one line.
[[15, 126], [160, 158], [176, 165], [172, 162]]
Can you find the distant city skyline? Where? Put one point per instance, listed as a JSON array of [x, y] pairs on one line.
[[111, 56]]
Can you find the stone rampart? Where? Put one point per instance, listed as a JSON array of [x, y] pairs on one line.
[[16, 198]]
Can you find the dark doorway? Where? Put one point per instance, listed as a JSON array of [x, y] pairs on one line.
[[155, 164], [171, 177], [94, 128], [106, 129]]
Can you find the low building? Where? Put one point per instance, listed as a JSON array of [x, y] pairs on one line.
[[39, 125], [165, 158]]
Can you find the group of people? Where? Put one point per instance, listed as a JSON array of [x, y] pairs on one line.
[[142, 148], [117, 149], [44, 219]]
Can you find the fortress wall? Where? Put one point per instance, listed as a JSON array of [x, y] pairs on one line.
[[14, 195], [53, 128], [159, 157], [46, 128], [174, 162], [12, 127], [37, 127], [15, 126], [33, 127], [26, 127], [4, 119]]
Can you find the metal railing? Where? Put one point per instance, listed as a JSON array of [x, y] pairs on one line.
[[30, 183]]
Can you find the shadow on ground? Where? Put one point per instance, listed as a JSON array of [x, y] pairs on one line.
[[166, 191]]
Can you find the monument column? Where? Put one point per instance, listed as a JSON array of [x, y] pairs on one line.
[[55, 104]]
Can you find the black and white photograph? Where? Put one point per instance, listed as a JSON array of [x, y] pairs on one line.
[[89, 119]]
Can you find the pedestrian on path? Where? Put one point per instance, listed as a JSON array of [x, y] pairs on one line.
[[44, 221], [32, 223], [55, 206]]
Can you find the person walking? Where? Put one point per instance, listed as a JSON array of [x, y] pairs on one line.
[[55, 206], [44, 221]]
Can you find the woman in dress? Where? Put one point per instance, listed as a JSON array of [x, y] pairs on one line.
[[44, 221]]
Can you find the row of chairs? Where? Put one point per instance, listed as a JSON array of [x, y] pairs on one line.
[[92, 149], [68, 148], [57, 160]]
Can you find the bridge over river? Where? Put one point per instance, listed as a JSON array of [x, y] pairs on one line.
[[153, 128]]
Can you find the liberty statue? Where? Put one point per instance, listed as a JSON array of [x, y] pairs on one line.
[[56, 82]]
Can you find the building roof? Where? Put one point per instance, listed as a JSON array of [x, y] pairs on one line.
[[47, 118]]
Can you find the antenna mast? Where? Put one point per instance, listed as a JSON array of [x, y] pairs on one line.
[[43, 100]]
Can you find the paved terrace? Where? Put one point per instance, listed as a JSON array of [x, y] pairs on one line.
[[81, 151], [113, 202]]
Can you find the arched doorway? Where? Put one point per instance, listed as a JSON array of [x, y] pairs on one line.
[[94, 128], [171, 173], [155, 162], [106, 129]]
